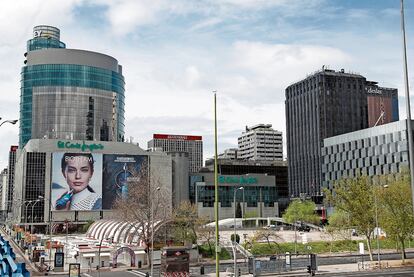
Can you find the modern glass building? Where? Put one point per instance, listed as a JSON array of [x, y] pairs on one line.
[[69, 93], [375, 151]]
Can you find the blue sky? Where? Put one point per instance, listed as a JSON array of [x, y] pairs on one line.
[[175, 53]]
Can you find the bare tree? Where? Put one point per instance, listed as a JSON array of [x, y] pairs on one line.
[[145, 203], [271, 237]]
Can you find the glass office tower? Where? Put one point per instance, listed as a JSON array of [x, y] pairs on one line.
[[69, 93]]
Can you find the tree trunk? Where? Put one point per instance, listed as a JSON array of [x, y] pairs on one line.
[[369, 248], [403, 256]]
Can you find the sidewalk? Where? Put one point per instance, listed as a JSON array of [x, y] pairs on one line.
[[19, 252]]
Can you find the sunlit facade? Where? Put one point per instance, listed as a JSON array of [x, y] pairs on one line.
[[69, 93]]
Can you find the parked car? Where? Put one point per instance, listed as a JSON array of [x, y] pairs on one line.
[[304, 228]]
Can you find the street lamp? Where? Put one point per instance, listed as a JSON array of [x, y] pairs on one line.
[[377, 227], [99, 255], [14, 121], [152, 232], [234, 235], [26, 205]]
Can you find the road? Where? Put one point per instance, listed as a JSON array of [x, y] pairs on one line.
[[387, 273]]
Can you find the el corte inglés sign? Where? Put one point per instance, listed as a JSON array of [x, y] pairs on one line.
[[82, 146]]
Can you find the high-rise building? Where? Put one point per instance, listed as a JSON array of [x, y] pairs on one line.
[[324, 104], [10, 177], [260, 142], [382, 104], [69, 93], [181, 143], [3, 191]]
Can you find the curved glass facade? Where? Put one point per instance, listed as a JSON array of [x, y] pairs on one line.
[[69, 101]]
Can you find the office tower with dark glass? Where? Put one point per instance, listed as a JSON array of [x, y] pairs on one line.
[[325, 104], [69, 93]]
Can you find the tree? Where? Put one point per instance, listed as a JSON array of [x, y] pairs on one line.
[[186, 222], [396, 214], [301, 211], [207, 234], [144, 199], [271, 237], [338, 227], [355, 197]]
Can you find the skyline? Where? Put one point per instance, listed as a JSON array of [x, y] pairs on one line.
[[175, 53]]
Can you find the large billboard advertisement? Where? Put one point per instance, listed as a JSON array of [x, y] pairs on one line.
[[121, 172], [76, 181]]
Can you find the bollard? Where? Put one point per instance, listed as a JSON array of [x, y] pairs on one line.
[[201, 270]]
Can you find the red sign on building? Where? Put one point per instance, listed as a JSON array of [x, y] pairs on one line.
[[176, 137]]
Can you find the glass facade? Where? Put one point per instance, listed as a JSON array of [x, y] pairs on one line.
[[379, 150], [69, 101]]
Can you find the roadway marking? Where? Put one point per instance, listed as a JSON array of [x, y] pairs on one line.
[[138, 273], [87, 275]]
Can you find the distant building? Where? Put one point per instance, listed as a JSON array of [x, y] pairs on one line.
[[378, 150], [3, 193], [325, 104], [193, 145], [277, 169], [230, 153], [260, 142], [10, 176], [381, 100]]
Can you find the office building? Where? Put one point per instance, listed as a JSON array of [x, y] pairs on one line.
[[3, 194], [382, 104], [258, 198], [260, 142], [277, 169], [10, 176], [116, 166], [193, 145], [69, 93], [325, 104], [378, 150], [230, 153]]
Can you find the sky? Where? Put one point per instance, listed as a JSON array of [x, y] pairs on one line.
[[176, 53]]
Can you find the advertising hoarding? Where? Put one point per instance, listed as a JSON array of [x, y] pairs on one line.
[[76, 181], [119, 173]]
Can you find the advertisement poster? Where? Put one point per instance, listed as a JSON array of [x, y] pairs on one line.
[[74, 270], [76, 181], [119, 173]]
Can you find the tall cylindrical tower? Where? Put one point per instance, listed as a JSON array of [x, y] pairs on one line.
[[69, 93]]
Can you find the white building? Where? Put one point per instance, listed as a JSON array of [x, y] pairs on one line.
[[260, 142], [230, 153], [193, 145]]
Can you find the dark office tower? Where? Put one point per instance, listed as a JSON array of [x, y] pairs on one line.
[[381, 101], [325, 104], [69, 93]]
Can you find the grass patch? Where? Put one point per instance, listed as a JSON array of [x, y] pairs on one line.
[[204, 250], [319, 247]]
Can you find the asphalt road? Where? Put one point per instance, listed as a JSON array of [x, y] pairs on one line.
[[387, 273]]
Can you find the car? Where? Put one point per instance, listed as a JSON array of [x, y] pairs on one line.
[[271, 226], [304, 228]]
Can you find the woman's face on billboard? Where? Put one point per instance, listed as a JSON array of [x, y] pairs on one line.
[[78, 172]]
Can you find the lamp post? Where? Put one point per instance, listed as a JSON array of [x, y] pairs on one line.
[[34, 204], [377, 227], [14, 121], [152, 232], [26, 205], [234, 235], [99, 255]]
